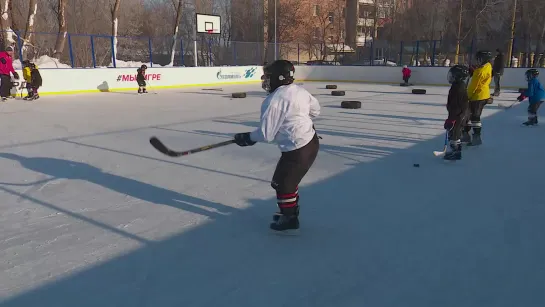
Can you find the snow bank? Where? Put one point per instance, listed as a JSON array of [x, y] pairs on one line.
[[43, 62]]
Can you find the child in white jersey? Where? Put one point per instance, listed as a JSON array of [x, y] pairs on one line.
[[286, 119]]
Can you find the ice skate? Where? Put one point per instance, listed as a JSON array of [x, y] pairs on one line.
[[532, 121], [285, 224], [35, 97], [475, 140], [455, 153], [145, 91]]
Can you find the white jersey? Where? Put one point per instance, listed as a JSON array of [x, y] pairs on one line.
[[286, 118]]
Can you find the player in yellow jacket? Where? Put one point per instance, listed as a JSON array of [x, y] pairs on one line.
[[478, 92]]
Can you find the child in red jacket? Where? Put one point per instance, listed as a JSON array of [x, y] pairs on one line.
[[406, 74]]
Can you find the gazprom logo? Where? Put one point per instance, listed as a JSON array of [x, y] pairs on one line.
[[228, 76]]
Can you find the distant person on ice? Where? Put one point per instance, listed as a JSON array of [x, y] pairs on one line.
[[141, 79], [286, 119], [6, 67], [458, 107], [406, 71], [535, 94], [497, 70], [478, 92]]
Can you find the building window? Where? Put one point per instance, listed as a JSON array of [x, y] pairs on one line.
[[331, 17], [316, 10]]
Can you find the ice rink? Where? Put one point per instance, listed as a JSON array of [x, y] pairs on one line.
[[92, 215]]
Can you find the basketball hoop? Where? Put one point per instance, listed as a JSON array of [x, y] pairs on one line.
[[208, 24]]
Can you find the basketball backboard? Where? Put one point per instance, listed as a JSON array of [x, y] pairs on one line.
[[210, 24]]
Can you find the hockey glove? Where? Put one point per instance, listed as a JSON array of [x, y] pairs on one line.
[[15, 75], [449, 124], [243, 139], [521, 97]]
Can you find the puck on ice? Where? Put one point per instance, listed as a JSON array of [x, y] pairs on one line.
[[416, 165]]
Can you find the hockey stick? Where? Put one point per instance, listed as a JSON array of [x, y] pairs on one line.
[[157, 144], [442, 153], [507, 107]]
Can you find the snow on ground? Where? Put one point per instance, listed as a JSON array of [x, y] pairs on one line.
[[45, 61], [92, 215]]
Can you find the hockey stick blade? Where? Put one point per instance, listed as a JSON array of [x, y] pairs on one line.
[[440, 153], [157, 144]]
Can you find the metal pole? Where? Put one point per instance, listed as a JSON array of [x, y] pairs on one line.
[[275, 30], [93, 52], [70, 51], [195, 53], [150, 50]]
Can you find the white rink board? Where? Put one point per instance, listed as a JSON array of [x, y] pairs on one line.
[[69, 81], [512, 77]]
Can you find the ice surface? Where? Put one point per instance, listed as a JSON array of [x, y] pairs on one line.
[[92, 215]]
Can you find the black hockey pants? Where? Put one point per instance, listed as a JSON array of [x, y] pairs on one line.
[[5, 86], [290, 170], [532, 109], [456, 132]]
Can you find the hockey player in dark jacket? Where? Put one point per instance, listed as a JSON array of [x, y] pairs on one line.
[[458, 109], [36, 81], [141, 79]]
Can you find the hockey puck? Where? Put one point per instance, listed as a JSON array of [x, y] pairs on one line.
[[416, 165], [419, 91]]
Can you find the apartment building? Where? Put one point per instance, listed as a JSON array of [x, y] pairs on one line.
[[366, 18]]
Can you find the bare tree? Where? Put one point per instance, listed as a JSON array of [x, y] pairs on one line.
[[63, 29], [32, 10], [324, 30], [178, 8], [115, 25], [7, 32]]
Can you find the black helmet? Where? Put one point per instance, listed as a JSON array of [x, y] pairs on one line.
[[458, 73], [483, 57], [531, 74], [144, 66], [280, 72]]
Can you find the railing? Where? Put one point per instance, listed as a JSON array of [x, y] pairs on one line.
[[97, 51]]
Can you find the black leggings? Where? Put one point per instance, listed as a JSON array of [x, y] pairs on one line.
[[290, 170]]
